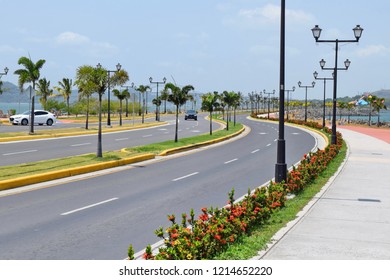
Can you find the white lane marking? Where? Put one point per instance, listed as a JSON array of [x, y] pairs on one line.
[[81, 144], [22, 152], [295, 133], [89, 206], [229, 161], [121, 139], [275, 140], [268, 145], [149, 135], [186, 176], [263, 133], [255, 151]]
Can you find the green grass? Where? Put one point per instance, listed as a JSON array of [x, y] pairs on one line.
[[249, 245], [157, 148]]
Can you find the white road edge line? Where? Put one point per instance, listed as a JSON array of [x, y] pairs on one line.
[[89, 206], [17, 153], [186, 176], [81, 144], [121, 139], [229, 161]]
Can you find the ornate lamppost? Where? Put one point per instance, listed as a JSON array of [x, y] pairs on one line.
[[157, 101], [306, 87]]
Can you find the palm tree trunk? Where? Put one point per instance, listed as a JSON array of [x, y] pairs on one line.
[[32, 115]]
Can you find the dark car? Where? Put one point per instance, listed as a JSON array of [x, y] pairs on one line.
[[191, 114]]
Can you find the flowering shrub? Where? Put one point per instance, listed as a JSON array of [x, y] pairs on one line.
[[215, 229]]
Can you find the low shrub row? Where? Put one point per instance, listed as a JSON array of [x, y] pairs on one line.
[[216, 229]]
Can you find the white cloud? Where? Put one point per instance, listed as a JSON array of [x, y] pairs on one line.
[[72, 38], [373, 50], [271, 14]]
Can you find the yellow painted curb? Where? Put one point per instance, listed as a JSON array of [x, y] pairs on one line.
[[39, 178], [80, 133]]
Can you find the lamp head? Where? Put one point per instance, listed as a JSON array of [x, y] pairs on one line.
[[313, 83], [150, 79], [316, 32], [357, 31], [99, 66], [322, 63], [293, 88], [6, 70], [118, 67], [164, 80], [315, 74], [299, 83], [347, 63]]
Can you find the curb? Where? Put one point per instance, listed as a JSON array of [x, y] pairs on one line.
[[69, 134], [39, 178]]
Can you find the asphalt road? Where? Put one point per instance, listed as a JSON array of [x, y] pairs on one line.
[[35, 150], [97, 218]]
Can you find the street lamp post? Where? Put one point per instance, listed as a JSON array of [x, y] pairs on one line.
[[269, 93], [157, 103], [118, 68], [288, 99], [316, 34], [315, 74], [281, 166], [306, 87]]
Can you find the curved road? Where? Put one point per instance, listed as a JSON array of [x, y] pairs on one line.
[[97, 218]]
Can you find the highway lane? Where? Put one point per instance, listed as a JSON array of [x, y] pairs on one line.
[[99, 217], [35, 150]]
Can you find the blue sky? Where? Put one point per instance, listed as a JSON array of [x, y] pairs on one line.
[[210, 44]]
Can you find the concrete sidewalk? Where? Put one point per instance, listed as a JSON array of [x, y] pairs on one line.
[[350, 217]]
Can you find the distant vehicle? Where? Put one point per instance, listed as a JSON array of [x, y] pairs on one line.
[[191, 114], [40, 117]]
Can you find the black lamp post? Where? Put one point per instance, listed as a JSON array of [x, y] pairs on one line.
[[157, 103], [288, 99], [315, 74], [269, 93], [118, 68], [347, 63], [316, 34], [5, 72], [306, 87], [281, 166]]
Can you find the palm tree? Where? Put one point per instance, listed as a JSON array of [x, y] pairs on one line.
[[209, 103], [178, 96], [229, 98], [30, 74], [86, 88], [65, 89], [164, 96], [125, 94], [377, 105], [44, 91], [142, 89]]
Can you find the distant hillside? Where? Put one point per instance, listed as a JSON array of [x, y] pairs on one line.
[[11, 94]]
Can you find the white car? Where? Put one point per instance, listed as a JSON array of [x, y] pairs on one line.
[[40, 117]]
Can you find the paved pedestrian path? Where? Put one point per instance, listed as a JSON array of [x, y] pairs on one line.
[[350, 218]]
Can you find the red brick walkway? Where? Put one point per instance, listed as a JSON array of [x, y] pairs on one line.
[[380, 133]]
